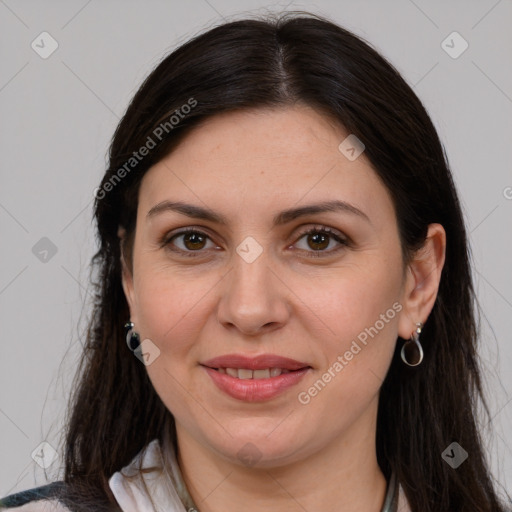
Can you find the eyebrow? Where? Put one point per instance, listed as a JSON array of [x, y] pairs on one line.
[[198, 212]]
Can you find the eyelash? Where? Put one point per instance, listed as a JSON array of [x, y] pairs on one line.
[[344, 242]]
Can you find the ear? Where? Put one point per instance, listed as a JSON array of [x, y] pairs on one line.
[[126, 274], [423, 276]]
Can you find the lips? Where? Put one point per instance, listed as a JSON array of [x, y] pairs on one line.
[[255, 378]]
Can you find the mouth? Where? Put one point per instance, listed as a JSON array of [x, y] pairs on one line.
[[246, 373], [255, 379]]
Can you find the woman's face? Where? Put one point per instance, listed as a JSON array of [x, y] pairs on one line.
[[273, 343]]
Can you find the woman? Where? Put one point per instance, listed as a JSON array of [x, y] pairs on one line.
[[284, 316]]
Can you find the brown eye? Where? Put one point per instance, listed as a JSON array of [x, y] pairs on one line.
[[318, 241], [188, 242], [321, 241], [194, 241]]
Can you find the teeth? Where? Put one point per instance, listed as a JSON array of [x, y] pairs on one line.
[[275, 372], [232, 371], [261, 374], [244, 373]]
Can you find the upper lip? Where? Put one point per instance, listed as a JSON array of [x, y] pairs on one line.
[[260, 362]]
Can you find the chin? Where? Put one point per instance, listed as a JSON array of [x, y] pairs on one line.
[[261, 450]]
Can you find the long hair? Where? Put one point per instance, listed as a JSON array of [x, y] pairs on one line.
[[299, 58]]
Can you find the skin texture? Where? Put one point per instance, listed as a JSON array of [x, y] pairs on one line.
[[248, 166]]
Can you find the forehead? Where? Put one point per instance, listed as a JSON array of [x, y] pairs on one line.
[[261, 159], [256, 137]]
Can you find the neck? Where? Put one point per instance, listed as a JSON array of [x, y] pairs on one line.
[[343, 476]]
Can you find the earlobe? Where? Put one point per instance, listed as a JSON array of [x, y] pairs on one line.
[[422, 281]]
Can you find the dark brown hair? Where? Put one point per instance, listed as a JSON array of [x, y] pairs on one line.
[[115, 411]]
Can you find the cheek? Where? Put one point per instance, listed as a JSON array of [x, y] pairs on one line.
[[171, 306], [172, 311], [361, 309], [355, 300]]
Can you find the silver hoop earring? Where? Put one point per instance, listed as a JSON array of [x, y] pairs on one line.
[[412, 351], [132, 337]]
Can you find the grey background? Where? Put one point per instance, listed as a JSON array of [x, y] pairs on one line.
[[58, 115]]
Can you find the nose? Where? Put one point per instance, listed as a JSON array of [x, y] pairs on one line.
[[253, 299]]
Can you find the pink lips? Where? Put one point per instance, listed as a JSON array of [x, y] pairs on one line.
[[255, 389]]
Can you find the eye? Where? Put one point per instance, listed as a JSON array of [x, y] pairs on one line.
[[188, 241], [321, 241]]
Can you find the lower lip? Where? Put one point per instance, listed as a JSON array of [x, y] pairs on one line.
[[255, 390]]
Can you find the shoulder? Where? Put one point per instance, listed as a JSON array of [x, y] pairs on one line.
[[38, 499]]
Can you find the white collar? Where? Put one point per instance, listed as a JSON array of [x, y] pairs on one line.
[[154, 489], [147, 484]]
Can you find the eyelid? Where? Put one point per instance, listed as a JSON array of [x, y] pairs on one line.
[[323, 229]]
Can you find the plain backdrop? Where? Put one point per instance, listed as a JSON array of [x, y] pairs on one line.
[[57, 116]]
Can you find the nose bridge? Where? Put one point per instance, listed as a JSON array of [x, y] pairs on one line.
[[252, 298], [251, 275], [251, 286]]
